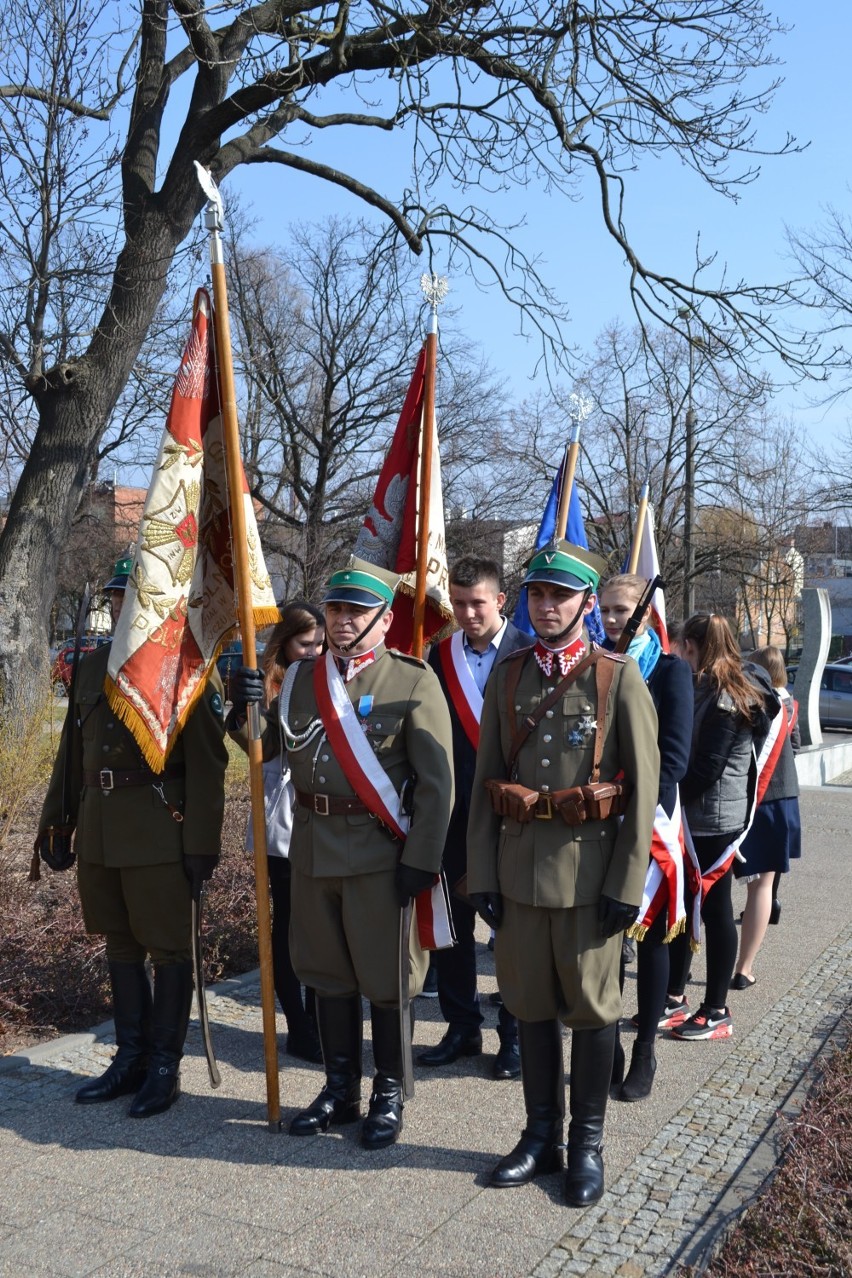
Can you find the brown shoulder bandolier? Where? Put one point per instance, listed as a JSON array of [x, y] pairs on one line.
[[595, 801]]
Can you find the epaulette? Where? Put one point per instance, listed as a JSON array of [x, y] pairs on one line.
[[407, 656], [620, 657]]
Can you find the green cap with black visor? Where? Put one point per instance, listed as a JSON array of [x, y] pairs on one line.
[[362, 583], [563, 564]]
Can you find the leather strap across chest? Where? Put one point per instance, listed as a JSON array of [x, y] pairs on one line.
[[604, 664]]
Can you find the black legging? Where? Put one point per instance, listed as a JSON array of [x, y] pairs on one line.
[[652, 977], [287, 985], [720, 933]]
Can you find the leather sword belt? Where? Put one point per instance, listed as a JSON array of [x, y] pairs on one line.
[[579, 803], [331, 804], [109, 779]]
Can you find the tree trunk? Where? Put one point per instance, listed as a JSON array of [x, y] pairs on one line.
[[74, 402]]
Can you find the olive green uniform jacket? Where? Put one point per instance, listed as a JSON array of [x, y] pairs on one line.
[[546, 864], [408, 726], [131, 826]]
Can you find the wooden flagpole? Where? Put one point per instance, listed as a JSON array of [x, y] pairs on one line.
[[242, 575], [641, 516], [435, 288], [568, 469]]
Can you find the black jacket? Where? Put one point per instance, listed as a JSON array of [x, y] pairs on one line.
[[670, 686]]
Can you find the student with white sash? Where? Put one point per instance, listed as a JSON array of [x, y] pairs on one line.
[[464, 663], [367, 733]]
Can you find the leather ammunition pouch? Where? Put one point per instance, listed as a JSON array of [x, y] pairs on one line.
[[597, 801]]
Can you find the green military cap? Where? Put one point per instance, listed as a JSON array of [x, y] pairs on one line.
[[361, 583], [565, 564], [120, 573]]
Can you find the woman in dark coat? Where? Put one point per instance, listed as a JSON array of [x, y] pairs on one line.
[[669, 681]]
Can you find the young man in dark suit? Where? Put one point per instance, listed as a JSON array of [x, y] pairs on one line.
[[463, 664]]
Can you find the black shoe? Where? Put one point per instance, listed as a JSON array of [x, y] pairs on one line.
[[304, 1044], [507, 1062], [537, 1153], [172, 1002], [338, 1103], [132, 1007], [383, 1123], [453, 1045], [640, 1077], [496, 999], [628, 950], [584, 1179], [430, 985]]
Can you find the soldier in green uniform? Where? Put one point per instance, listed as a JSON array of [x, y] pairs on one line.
[[553, 869], [141, 839], [350, 874]]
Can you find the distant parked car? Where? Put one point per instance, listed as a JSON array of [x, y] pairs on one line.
[[230, 660], [60, 674], [835, 694]]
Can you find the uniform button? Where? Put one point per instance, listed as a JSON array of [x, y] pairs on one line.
[[322, 779], [517, 707], [503, 826], [378, 725], [548, 714], [545, 763], [105, 749], [545, 789], [110, 727], [325, 758], [547, 738], [586, 709], [548, 689]]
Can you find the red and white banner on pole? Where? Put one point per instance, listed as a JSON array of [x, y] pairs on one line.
[[179, 605], [461, 685], [388, 536], [648, 566]]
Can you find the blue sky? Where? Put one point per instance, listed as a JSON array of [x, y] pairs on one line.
[[668, 206]]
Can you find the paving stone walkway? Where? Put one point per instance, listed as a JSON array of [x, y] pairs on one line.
[[207, 1189]]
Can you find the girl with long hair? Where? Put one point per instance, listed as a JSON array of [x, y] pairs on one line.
[[731, 716], [298, 636]]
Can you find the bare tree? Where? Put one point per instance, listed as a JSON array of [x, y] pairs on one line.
[[486, 95]]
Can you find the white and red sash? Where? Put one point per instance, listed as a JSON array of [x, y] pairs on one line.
[[664, 880], [766, 762], [461, 685], [374, 788]]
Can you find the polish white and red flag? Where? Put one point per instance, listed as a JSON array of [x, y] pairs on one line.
[[648, 566], [180, 602], [388, 535]]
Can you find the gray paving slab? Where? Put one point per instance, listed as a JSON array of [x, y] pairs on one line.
[[207, 1189]]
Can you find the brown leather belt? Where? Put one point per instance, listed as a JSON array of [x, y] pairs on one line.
[[331, 804], [109, 779]]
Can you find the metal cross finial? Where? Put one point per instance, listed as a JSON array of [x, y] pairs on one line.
[[435, 289]]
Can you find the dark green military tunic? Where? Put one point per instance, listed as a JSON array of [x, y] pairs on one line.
[[344, 925], [550, 957], [129, 846]]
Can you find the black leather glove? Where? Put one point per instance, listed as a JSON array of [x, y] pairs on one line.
[[198, 869], [409, 881], [54, 848], [247, 685], [615, 916], [489, 906]]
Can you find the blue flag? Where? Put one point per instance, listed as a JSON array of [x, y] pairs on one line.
[[575, 533]]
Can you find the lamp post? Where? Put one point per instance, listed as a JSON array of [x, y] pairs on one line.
[[689, 480]]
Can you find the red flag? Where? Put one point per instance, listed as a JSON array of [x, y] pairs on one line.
[[179, 606], [388, 536]]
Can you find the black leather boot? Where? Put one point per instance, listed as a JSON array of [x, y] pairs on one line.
[[539, 1151], [132, 1007], [507, 1062], [383, 1123], [172, 1002], [591, 1071], [340, 1030], [640, 1077]]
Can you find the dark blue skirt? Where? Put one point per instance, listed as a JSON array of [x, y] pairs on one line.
[[774, 840]]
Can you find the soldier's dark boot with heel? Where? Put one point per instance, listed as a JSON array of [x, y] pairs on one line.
[[340, 1028], [591, 1073], [172, 1003], [539, 1151], [383, 1123], [132, 1007]]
